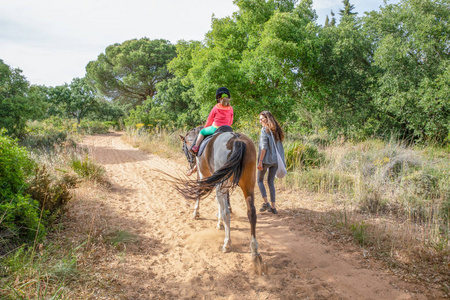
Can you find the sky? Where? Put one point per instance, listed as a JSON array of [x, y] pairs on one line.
[[52, 41]]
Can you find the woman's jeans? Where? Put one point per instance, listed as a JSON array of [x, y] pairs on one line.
[[270, 178]]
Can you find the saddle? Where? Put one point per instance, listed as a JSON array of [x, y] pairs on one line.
[[208, 138]]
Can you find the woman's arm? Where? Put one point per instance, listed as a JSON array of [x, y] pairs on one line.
[[261, 158]]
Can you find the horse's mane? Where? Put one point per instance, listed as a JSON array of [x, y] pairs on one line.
[[192, 134]]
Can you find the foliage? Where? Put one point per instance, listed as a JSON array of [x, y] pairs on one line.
[[51, 193], [108, 112], [412, 55], [172, 106], [299, 155], [74, 100], [93, 127], [15, 167], [129, 72], [85, 168], [43, 135], [17, 105], [19, 213], [20, 220], [379, 75]]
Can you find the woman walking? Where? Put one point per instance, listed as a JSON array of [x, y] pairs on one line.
[[271, 136]]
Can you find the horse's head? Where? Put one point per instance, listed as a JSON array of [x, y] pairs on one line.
[[189, 140]]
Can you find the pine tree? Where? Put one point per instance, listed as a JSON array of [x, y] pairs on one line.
[[348, 9], [333, 19]]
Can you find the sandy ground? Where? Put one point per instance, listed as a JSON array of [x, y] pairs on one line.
[[173, 256]]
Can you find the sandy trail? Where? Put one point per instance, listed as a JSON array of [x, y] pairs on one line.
[[177, 257]]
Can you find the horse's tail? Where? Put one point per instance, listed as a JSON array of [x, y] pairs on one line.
[[232, 168]]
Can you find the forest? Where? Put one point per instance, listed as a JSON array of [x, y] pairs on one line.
[[379, 79]]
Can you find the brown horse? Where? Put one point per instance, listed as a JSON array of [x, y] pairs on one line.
[[228, 160]]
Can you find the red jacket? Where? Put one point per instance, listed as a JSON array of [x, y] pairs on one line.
[[220, 115]]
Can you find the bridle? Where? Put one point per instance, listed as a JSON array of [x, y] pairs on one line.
[[190, 157]]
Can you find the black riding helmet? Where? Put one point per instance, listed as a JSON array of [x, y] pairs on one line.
[[220, 91]]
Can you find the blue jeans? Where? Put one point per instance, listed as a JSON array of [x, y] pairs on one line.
[[270, 179]]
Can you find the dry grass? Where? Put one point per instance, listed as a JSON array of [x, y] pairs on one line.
[[160, 142], [51, 269]]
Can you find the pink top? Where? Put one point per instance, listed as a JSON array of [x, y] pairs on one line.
[[220, 115]]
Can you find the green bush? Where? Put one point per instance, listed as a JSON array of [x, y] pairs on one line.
[[87, 169], [93, 127], [15, 166], [20, 219], [43, 140], [298, 154], [19, 213]]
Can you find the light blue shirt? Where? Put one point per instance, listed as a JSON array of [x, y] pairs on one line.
[[266, 141]]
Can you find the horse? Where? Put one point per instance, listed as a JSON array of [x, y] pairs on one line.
[[228, 161]]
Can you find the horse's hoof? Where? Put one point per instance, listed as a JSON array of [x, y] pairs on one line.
[[258, 264], [196, 216], [220, 227], [226, 249]]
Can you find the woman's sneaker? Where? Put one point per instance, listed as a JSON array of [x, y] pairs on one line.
[[273, 210], [265, 206]]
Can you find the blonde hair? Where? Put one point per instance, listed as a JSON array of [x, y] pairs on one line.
[[273, 125], [225, 101]]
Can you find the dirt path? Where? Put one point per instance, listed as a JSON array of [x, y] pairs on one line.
[[174, 256]]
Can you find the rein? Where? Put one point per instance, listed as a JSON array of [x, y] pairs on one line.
[[190, 157]]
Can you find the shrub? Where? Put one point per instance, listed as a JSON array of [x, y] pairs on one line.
[[21, 218], [19, 213], [87, 169], [51, 193], [298, 154], [15, 166], [370, 198], [93, 127], [43, 140]]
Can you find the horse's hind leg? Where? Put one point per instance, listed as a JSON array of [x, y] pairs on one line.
[[228, 201], [251, 213], [219, 215], [197, 201], [224, 212], [196, 209]]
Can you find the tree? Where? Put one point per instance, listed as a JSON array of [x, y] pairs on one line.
[[15, 108], [348, 9], [337, 88], [176, 99], [333, 19], [245, 53], [277, 68], [74, 100], [129, 72], [412, 86]]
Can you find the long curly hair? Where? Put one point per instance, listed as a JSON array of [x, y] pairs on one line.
[[273, 125]]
